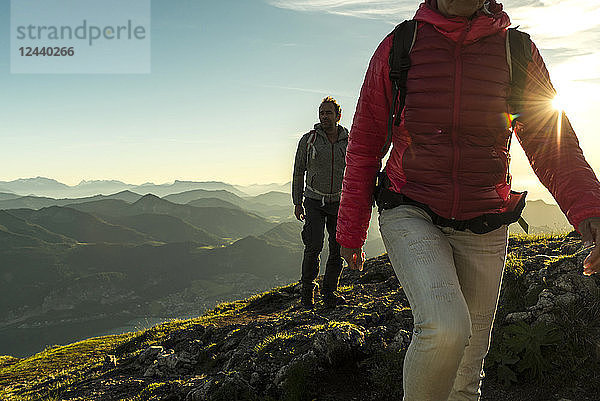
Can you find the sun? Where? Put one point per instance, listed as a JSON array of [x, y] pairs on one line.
[[572, 95], [558, 103]]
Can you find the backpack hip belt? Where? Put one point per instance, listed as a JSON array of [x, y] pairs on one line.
[[323, 194], [388, 199]]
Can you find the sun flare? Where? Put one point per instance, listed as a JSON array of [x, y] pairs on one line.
[[573, 95], [557, 103]]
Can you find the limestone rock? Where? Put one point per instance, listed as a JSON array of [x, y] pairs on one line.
[[516, 317], [150, 354], [339, 343], [223, 385]]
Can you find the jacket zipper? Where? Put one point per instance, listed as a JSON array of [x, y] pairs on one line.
[[332, 156], [455, 119]]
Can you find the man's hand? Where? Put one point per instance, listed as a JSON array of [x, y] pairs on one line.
[[590, 232], [354, 257], [299, 212]]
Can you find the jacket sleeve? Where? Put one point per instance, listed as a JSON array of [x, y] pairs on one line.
[[363, 156], [299, 170], [552, 148]]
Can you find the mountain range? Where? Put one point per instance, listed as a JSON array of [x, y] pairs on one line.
[[102, 262], [76, 267], [47, 187]]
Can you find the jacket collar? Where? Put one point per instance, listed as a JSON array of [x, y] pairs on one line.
[[482, 24], [342, 132]]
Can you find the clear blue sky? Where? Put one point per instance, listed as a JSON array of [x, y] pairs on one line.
[[234, 84]]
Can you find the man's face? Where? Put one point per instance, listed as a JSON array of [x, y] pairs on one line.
[[461, 8], [327, 115]]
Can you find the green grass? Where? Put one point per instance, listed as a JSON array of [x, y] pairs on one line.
[[56, 367], [346, 288], [6, 361], [518, 352], [538, 238], [268, 341]]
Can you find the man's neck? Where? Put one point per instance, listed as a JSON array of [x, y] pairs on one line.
[[332, 133]]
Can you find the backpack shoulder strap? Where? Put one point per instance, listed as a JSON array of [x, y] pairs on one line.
[[310, 145], [518, 56], [404, 36]]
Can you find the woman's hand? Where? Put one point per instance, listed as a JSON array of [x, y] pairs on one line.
[[590, 232], [354, 257]]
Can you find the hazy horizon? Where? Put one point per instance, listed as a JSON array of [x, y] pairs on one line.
[[532, 197], [75, 183]]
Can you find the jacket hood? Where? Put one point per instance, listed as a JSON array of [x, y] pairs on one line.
[[482, 23], [342, 132]]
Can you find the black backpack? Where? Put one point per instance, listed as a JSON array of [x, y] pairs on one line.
[[518, 52]]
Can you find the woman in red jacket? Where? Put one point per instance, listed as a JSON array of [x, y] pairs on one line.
[[449, 167]]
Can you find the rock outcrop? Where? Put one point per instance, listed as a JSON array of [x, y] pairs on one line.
[[270, 348]]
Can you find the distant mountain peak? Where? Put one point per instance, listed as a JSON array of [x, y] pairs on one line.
[[150, 202], [38, 180], [539, 202], [126, 192], [149, 198], [95, 182], [265, 185], [197, 182]]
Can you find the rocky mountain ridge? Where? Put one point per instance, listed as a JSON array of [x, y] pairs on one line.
[[545, 344]]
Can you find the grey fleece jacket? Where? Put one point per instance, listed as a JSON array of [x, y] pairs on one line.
[[323, 164]]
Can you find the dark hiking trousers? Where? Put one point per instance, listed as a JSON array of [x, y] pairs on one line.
[[317, 217]]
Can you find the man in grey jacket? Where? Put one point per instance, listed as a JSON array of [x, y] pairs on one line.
[[321, 156]]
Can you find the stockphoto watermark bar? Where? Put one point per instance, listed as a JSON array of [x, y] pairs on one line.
[[80, 36]]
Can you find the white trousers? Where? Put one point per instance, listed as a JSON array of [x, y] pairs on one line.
[[452, 281]]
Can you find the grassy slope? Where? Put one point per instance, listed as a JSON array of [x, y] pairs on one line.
[[58, 370], [49, 373], [45, 373]]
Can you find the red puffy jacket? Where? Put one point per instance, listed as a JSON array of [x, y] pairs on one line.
[[451, 152]]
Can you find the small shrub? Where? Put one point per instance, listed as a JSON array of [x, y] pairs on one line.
[[524, 349], [580, 324], [386, 375]]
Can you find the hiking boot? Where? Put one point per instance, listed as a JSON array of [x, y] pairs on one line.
[[307, 296], [331, 300]]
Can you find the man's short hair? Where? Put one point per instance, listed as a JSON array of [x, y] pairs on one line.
[[338, 108]]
